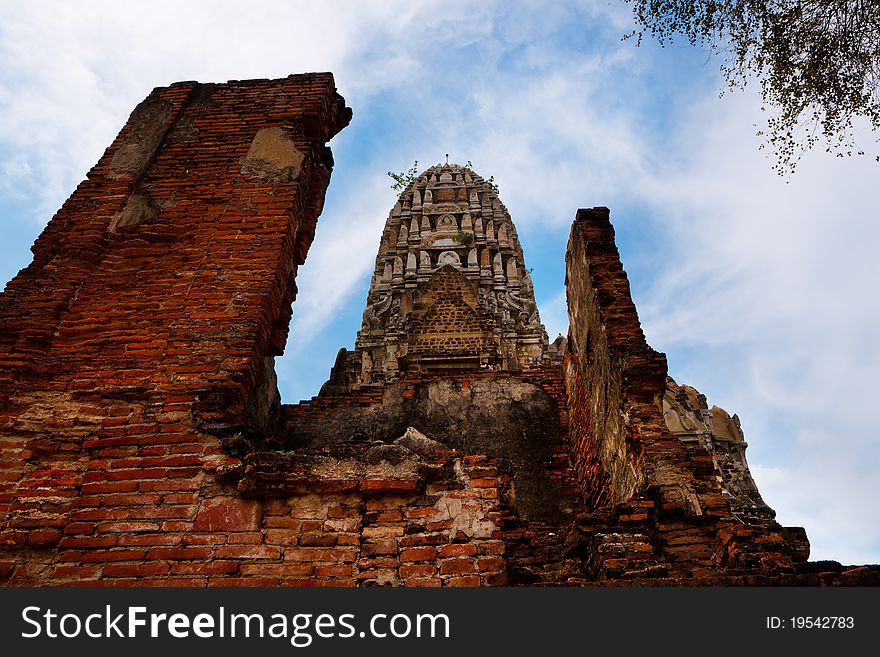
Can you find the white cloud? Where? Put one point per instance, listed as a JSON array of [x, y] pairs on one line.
[[554, 316], [73, 72], [772, 283], [344, 251]]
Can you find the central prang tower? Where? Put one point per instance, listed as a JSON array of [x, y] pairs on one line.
[[450, 290]]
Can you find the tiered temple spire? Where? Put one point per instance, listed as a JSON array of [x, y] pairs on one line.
[[450, 290]]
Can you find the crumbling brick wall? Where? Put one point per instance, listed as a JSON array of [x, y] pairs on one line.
[[145, 327], [615, 378], [661, 508]]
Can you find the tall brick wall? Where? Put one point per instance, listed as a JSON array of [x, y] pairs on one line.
[[616, 381], [659, 507], [145, 326]]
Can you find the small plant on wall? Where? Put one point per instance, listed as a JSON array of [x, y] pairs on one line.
[[464, 237], [490, 182], [403, 179], [237, 445]]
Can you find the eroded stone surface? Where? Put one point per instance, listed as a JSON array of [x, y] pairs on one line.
[[513, 421], [689, 417], [146, 129], [418, 442], [272, 156]]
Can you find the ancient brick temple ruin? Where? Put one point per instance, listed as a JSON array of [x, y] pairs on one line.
[[142, 438]]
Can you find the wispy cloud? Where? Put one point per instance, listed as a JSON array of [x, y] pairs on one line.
[[344, 252], [769, 291]]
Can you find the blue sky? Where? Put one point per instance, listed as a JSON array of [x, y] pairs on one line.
[[760, 289]]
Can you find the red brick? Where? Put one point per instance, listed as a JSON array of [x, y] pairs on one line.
[[180, 553], [76, 572], [418, 554], [320, 554], [126, 527], [280, 569], [281, 537], [244, 582], [149, 540], [163, 511], [182, 472], [179, 498], [117, 487], [244, 538], [389, 485], [126, 582], [492, 547], [133, 474], [495, 579], [131, 500], [377, 562], [172, 461], [456, 566], [205, 568], [169, 485], [337, 511], [467, 580], [112, 555], [458, 550], [136, 570], [388, 516], [336, 570], [69, 542], [488, 564], [176, 526], [37, 522], [426, 582], [440, 524], [416, 540], [101, 514], [417, 570], [317, 539], [44, 537], [247, 552], [388, 546], [228, 514]]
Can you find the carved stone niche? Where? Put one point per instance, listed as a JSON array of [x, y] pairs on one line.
[[449, 258], [447, 225]]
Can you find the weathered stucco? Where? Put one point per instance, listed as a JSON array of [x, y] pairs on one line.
[[513, 421]]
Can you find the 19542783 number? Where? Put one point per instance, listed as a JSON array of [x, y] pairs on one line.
[[811, 623]]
